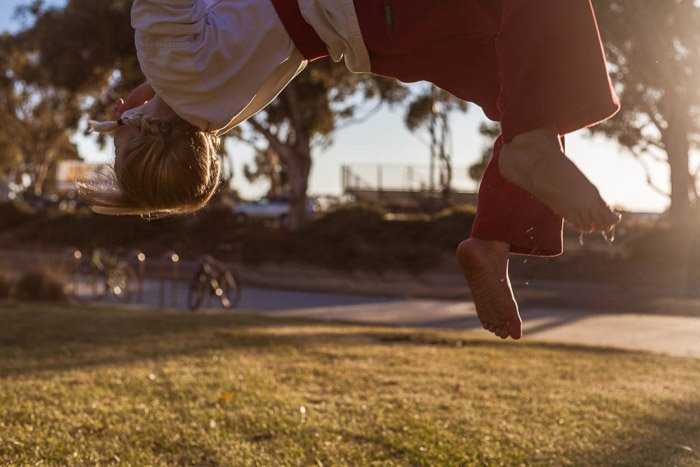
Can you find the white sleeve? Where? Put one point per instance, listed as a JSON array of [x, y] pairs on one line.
[[273, 85], [168, 17], [231, 63]]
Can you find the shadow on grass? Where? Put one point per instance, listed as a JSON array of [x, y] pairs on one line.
[[36, 338], [668, 439], [607, 299], [551, 319]]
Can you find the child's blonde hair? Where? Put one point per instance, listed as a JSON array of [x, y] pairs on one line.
[[170, 167]]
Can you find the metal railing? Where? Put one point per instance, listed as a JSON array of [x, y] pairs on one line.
[[100, 275]]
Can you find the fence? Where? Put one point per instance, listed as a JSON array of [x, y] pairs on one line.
[[406, 188], [73, 267], [410, 178]]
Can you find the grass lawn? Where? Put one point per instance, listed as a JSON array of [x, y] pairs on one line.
[[86, 386]]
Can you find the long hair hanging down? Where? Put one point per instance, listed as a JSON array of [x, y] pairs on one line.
[[168, 168]]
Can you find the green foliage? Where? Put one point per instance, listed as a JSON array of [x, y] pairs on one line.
[[267, 166], [452, 226], [430, 110], [215, 223], [348, 239], [86, 230], [101, 41], [37, 113], [13, 215], [361, 219], [661, 245], [6, 286], [40, 286], [66, 64], [304, 118], [360, 238], [88, 67], [491, 131], [424, 107], [655, 66]]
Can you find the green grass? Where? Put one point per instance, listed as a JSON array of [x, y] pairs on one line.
[[86, 386]]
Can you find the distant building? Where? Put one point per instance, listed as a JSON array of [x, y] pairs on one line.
[[71, 172]]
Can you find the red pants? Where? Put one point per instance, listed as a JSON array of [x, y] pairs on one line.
[[527, 63]]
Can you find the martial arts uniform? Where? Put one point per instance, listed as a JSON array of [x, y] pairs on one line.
[[527, 63]]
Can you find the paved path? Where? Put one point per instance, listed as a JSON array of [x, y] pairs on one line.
[[672, 335]]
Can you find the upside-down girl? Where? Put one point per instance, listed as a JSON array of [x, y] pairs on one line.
[[535, 66]]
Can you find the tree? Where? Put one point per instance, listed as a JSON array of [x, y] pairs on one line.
[[88, 68], [36, 120], [97, 61], [49, 79], [307, 113], [656, 68], [267, 166], [491, 131], [431, 110]]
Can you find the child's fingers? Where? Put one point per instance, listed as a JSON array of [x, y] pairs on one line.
[[119, 107], [139, 96], [134, 99]]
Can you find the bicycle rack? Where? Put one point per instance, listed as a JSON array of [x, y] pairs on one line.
[[95, 262], [140, 258], [83, 275], [77, 257], [174, 260]]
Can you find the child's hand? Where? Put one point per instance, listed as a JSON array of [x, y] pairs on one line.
[[139, 96]]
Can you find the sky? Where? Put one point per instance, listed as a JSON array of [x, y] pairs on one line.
[[383, 139]]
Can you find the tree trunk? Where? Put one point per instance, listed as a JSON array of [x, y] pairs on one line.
[[682, 231], [4, 188], [675, 138], [296, 160], [272, 174], [446, 181], [39, 179], [299, 164], [298, 170], [446, 159]]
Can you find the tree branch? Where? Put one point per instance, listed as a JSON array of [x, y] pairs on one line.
[[650, 182], [302, 139], [370, 113], [278, 146]]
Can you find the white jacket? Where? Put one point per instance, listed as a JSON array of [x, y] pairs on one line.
[[219, 62]]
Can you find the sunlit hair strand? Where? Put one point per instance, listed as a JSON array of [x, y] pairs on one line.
[[169, 168]]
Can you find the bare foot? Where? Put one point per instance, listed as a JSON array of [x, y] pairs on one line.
[[534, 161], [485, 267]]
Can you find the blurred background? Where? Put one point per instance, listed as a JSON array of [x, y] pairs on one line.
[[390, 171], [354, 340]]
